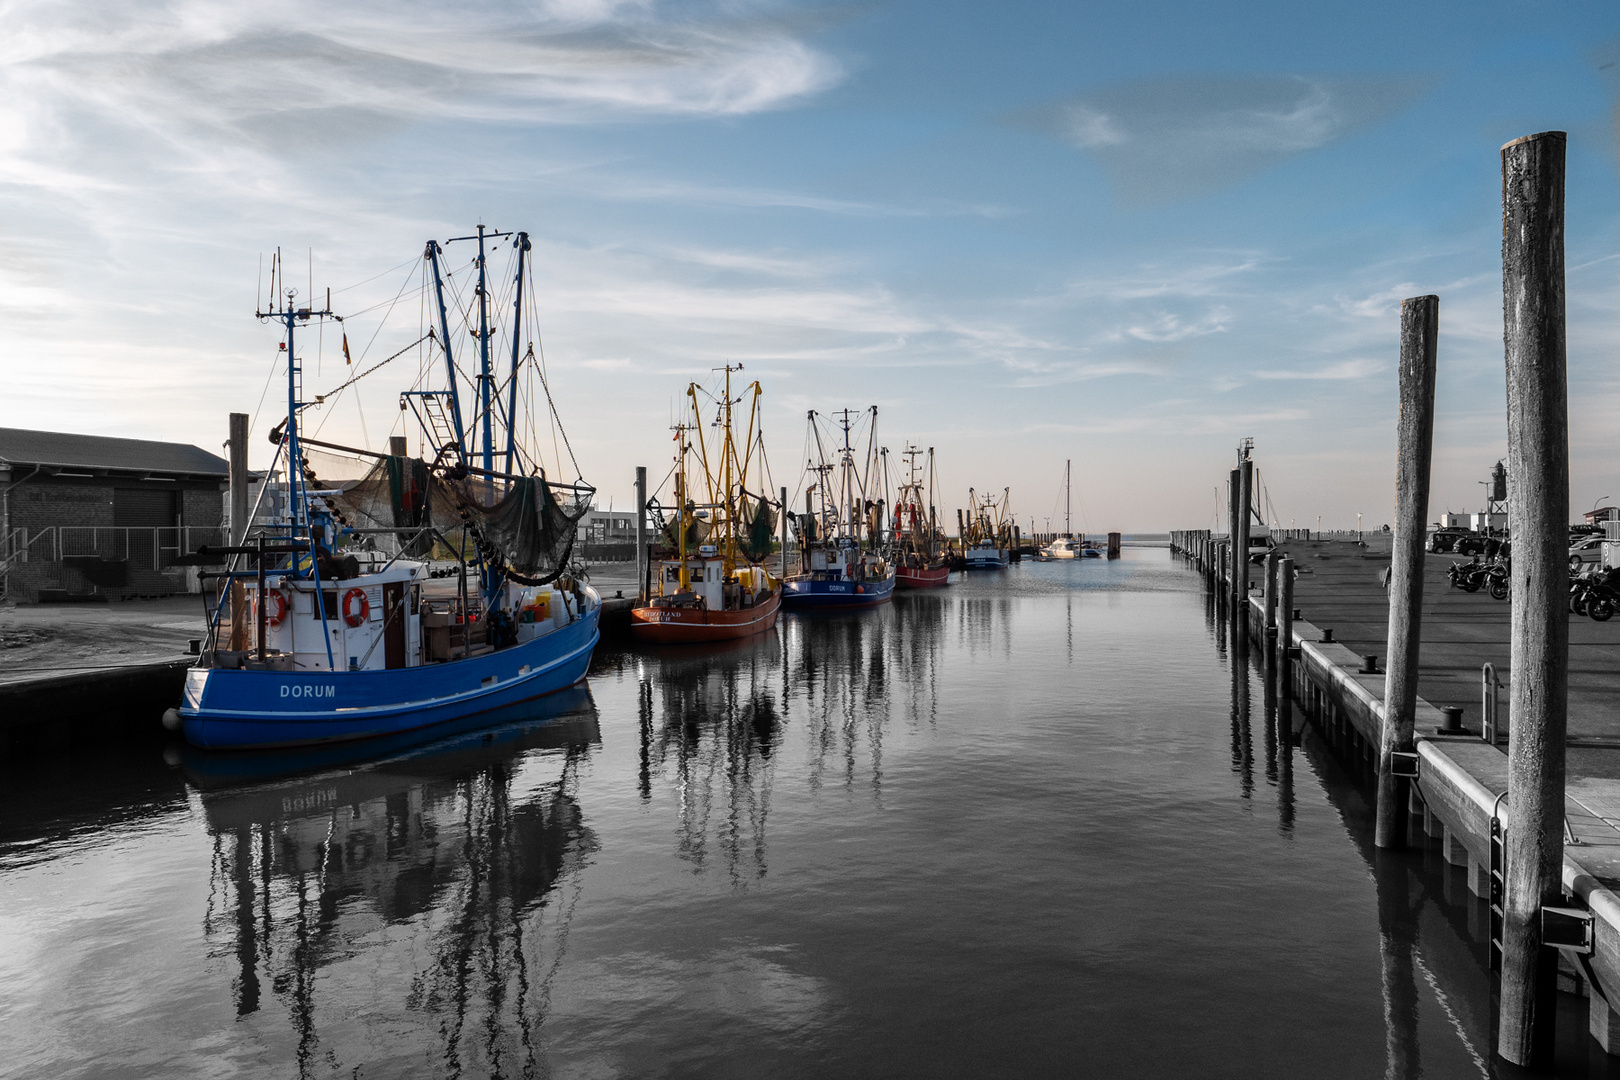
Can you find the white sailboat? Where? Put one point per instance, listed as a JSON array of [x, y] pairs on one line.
[[1067, 546]]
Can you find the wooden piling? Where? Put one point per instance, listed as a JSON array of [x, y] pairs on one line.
[[1420, 327], [1538, 518], [239, 481], [1233, 486], [1271, 590], [641, 531], [239, 477], [783, 526], [1240, 538], [1285, 609]]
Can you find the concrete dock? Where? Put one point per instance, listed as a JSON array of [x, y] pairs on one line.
[[1462, 780]]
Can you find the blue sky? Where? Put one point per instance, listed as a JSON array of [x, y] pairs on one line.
[[1127, 234]]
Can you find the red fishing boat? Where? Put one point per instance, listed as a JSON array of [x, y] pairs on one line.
[[710, 585], [921, 560]]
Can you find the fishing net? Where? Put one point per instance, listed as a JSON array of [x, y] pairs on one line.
[[529, 532], [697, 532], [757, 530]]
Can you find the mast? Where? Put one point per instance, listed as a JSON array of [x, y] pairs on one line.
[[486, 378], [449, 356], [522, 245], [680, 502], [727, 452], [298, 491], [485, 381], [1068, 530]]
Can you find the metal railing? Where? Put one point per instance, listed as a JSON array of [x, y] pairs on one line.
[[146, 548]]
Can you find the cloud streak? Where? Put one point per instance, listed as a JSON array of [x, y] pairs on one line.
[[1170, 139]]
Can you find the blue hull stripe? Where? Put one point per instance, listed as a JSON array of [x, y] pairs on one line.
[[248, 709], [836, 594]]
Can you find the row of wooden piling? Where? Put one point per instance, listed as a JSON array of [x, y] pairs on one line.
[[1538, 516]]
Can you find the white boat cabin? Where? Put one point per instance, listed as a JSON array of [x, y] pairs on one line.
[[393, 617], [844, 561], [984, 554], [707, 585]]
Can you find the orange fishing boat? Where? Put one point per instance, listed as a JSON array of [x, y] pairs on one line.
[[710, 585], [920, 557]]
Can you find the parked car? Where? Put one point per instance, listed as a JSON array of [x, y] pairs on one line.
[[1445, 539], [1586, 555]]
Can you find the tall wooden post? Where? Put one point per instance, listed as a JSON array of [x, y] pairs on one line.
[[783, 525], [1233, 486], [1414, 434], [1271, 590], [239, 477], [641, 531], [1538, 518], [1285, 616], [1240, 539], [239, 524]]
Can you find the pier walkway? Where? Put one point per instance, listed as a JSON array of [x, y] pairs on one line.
[[1340, 587]]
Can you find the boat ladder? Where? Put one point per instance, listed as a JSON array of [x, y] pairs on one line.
[[432, 409]]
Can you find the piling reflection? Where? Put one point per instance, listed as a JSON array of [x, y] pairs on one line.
[[461, 851]]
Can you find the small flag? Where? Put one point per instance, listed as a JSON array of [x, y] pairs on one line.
[[346, 359]]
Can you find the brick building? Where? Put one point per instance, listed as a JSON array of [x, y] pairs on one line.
[[87, 515]]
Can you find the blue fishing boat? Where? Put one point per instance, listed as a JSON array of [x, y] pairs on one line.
[[331, 625], [842, 564]]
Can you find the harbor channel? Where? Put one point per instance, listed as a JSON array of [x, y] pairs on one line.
[[1052, 820]]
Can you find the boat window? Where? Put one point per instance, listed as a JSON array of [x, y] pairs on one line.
[[330, 599]]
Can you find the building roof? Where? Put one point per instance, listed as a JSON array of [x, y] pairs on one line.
[[22, 448]]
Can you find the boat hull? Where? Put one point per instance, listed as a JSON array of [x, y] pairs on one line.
[[683, 626], [836, 595], [986, 562], [921, 577], [227, 708]]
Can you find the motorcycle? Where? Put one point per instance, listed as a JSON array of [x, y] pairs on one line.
[[1603, 595], [1467, 576], [1499, 581], [1580, 592]]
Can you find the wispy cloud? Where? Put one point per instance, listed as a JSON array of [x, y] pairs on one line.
[[1345, 369], [1167, 139], [1165, 326]]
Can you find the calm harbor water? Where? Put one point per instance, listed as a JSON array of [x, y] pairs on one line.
[[1036, 824]]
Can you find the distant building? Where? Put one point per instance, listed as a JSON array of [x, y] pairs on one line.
[[1602, 514], [84, 515], [606, 535]]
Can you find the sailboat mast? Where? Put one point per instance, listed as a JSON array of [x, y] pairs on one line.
[[1068, 530]]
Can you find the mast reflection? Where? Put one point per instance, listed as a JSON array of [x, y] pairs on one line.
[[712, 720], [466, 848]]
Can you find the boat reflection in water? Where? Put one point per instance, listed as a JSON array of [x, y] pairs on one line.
[[712, 720], [441, 877]]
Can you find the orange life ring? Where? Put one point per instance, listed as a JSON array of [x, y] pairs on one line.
[[276, 606], [860, 588], [354, 614]]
